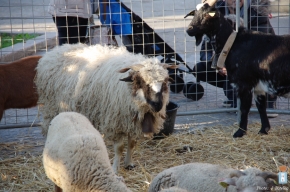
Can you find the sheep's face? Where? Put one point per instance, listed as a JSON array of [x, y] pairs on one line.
[[149, 84], [203, 22], [149, 90]]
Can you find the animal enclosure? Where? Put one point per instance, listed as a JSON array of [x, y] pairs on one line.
[[163, 34], [164, 18]]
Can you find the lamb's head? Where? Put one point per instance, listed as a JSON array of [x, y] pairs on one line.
[[149, 83], [251, 180], [205, 21]]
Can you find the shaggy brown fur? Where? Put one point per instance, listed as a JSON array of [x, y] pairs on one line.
[[16, 84]]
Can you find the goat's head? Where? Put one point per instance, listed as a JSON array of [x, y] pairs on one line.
[[149, 90], [204, 21]]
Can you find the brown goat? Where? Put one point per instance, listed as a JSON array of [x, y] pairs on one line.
[[17, 88]]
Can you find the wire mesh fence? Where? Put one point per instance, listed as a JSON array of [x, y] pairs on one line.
[[156, 28]]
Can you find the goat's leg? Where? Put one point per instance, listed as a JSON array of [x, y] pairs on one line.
[[1, 113], [130, 149], [1, 109], [245, 98], [118, 149], [261, 103]]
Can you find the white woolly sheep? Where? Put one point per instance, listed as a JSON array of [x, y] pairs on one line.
[[86, 79], [75, 157], [206, 177], [16, 84]]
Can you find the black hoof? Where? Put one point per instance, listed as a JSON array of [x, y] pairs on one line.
[[130, 167], [263, 132], [239, 133]]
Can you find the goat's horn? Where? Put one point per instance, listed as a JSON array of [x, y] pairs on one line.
[[191, 13], [236, 173], [268, 175]]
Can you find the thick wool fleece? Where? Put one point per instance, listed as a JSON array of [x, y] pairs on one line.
[[75, 157], [192, 177], [85, 79], [206, 177]]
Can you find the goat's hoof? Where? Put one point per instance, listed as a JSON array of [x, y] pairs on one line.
[[239, 134], [264, 132], [130, 167]]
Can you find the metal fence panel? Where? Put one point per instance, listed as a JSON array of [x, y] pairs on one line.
[[166, 18]]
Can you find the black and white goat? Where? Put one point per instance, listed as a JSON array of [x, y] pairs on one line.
[[257, 62]]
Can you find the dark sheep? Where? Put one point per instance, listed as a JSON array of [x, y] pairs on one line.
[[257, 62]]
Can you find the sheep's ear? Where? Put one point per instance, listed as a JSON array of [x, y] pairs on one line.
[[166, 66], [268, 175], [127, 79], [236, 173], [227, 181], [192, 13]]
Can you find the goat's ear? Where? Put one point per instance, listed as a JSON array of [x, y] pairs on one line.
[[192, 13], [166, 66], [127, 79]]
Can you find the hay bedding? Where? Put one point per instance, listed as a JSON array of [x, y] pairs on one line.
[[212, 145]]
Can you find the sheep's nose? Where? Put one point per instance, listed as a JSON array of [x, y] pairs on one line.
[[157, 106], [189, 27]]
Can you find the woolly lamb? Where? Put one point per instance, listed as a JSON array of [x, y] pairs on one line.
[[85, 79], [75, 157], [16, 84], [206, 177]]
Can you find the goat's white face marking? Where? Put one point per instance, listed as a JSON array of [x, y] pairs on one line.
[[198, 6], [261, 88], [140, 95], [156, 86]]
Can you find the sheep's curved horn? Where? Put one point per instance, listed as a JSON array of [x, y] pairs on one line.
[[166, 66], [124, 70], [236, 173], [133, 67], [136, 67], [268, 175], [171, 80]]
